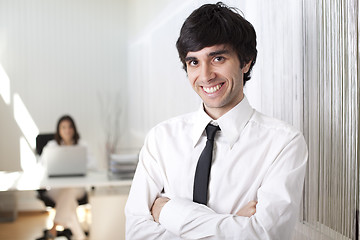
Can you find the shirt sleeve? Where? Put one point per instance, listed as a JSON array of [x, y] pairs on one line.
[[276, 212], [146, 186]]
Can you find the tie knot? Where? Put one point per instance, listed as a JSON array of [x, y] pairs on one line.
[[211, 131]]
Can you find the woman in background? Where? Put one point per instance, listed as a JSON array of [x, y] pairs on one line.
[[66, 199]]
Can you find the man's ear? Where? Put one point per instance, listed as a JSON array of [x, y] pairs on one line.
[[246, 68]]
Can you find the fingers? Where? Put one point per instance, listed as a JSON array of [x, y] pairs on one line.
[[157, 207], [252, 208], [248, 210]]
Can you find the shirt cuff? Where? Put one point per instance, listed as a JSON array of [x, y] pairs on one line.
[[174, 214]]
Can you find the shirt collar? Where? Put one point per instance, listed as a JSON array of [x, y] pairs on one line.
[[201, 121], [231, 123]]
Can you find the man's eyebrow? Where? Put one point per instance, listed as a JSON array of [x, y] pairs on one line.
[[187, 59], [211, 54], [219, 52]]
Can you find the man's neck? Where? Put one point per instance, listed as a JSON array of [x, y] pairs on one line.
[[216, 113]]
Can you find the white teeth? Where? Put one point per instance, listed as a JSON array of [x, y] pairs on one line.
[[212, 89]]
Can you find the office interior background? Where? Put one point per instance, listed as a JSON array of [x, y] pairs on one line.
[[113, 66]]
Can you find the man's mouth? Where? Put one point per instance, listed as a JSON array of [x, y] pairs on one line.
[[213, 89]]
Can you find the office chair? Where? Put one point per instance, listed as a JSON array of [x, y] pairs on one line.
[[41, 141]]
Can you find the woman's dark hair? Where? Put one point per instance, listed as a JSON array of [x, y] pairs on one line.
[[214, 24], [76, 136]]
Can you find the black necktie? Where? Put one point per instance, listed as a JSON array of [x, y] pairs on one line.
[[202, 172]]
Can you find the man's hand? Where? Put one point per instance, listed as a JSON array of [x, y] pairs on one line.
[[248, 210], [157, 206]]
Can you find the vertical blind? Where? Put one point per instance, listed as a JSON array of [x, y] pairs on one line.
[[331, 118]]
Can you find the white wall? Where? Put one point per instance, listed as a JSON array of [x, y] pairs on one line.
[[60, 56], [277, 85], [158, 85]]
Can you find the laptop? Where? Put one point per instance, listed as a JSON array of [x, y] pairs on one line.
[[65, 161]]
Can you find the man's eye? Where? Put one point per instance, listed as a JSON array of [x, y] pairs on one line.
[[219, 59], [193, 63]]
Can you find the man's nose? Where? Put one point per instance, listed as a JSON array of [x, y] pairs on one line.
[[207, 73]]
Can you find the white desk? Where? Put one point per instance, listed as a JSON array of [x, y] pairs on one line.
[[37, 179]]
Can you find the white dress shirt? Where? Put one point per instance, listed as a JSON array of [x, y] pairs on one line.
[[255, 158]]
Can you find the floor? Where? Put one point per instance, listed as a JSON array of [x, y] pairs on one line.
[[30, 225]]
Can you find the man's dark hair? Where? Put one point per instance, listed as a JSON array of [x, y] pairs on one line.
[[214, 24]]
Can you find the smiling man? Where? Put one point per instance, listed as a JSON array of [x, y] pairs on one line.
[[225, 171]]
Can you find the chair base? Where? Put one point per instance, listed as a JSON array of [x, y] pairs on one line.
[[65, 233]]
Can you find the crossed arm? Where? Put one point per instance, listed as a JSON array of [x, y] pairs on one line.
[[247, 211], [152, 217]]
